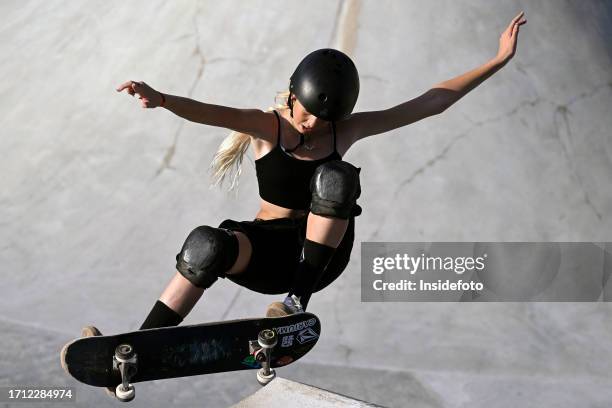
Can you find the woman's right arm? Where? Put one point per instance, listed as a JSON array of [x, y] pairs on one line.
[[250, 121]]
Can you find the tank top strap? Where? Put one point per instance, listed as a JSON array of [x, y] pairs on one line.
[[334, 132], [278, 122]]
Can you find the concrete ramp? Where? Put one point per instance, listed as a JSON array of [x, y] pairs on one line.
[[282, 393]]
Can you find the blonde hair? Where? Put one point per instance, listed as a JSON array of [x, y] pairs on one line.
[[227, 162]]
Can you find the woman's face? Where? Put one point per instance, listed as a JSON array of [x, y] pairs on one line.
[[304, 121]]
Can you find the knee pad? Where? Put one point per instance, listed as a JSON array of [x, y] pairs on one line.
[[335, 188], [207, 254]]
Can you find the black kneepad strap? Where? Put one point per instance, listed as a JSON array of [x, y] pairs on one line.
[[206, 255], [335, 189]]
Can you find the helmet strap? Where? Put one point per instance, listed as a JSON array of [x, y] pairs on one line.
[[290, 103]]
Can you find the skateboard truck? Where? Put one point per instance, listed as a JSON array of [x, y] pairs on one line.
[[261, 350], [125, 361]]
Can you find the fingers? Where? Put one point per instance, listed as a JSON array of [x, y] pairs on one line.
[[519, 20], [515, 28], [126, 85], [140, 89], [514, 24], [132, 87], [137, 86], [515, 19]]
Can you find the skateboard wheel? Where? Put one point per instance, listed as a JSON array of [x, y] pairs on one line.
[[125, 395], [264, 379], [124, 352], [267, 338]]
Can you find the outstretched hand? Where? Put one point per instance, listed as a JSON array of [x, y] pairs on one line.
[[149, 97], [507, 41]]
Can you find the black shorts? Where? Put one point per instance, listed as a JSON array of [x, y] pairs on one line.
[[277, 246]]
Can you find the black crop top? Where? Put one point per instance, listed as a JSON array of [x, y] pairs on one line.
[[284, 180]]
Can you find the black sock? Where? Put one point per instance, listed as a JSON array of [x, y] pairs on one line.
[[161, 316], [311, 267]]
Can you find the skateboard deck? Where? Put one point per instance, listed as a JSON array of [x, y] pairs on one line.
[[191, 350]]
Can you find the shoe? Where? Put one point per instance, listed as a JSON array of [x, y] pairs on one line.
[[291, 305], [87, 331], [90, 331]]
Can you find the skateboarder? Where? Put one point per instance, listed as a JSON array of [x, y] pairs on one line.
[[302, 236]]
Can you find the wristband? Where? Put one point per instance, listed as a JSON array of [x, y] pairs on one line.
[[163, 102]]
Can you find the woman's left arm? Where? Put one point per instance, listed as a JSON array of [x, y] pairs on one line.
[[457, 87], [437, 99]]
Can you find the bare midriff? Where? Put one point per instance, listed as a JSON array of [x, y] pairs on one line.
[[269, 211]]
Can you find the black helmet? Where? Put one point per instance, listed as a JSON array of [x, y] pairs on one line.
[[326, 83]]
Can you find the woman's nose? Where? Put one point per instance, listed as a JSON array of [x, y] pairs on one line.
[[312, 122]]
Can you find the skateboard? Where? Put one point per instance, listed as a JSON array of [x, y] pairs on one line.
[[170, 352]]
